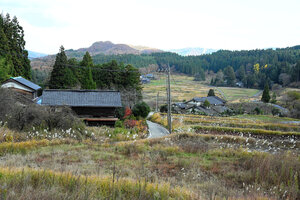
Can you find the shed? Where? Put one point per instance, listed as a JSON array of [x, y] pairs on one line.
[[93, 106], [23, 86]]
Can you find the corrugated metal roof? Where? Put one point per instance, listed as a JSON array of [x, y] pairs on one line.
[[81, 98], [26, 83]]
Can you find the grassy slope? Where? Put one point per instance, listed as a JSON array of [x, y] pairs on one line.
[[184, 88], [149, 169]]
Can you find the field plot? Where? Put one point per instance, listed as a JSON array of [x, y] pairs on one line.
[[193, 165], [184, 88]]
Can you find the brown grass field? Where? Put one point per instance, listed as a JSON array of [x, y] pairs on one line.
[[184, 88]]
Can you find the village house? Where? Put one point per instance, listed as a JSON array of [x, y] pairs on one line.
[[196, 105], [23, 86], [92, 106]]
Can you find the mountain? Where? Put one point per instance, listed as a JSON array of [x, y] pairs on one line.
[[109, 48], [193, 51], [32, 54], [97, 48]]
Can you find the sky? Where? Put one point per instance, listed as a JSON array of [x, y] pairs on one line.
[[163, 24]]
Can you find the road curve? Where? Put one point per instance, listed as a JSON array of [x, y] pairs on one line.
[[156, 130]]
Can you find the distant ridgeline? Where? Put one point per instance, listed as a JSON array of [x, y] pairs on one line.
[[251, 67], [13, 56]]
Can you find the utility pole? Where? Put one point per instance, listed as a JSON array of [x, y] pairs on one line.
[[169, 101], [168, 88], [156, 107]]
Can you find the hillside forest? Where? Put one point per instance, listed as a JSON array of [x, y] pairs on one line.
[[251, 68]]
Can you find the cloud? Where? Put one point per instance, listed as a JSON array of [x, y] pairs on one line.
[[162, 24]]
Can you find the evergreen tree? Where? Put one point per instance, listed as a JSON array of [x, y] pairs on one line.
[[12, 47], [266, 94], [211, 92], [61, 76], [87, 81], [206, 104], [241, 74], [229, 76]]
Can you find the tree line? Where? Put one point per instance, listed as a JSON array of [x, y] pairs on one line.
[[13, 56], [253, 68], [84, 74]]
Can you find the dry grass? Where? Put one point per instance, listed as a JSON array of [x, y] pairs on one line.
[[184, 88], [14, 181]]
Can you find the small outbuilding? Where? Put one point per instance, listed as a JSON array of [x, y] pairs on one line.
[[23, 86], [93, 106]]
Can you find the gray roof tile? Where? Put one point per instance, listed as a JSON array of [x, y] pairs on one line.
[[81, 98], [212, 100]]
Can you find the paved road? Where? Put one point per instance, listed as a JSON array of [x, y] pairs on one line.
[[258, 93], [156, 130]]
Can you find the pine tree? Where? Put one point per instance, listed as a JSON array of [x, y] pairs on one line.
[[266, 94], [61, 76], [211, 92]]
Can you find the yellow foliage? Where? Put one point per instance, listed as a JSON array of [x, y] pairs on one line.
[[256, 68]]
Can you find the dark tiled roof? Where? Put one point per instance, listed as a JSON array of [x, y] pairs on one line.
[[212, 100], [180, 105], [81, 98], [26, 83]]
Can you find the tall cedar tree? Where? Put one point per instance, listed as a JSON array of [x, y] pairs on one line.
[[266, 94], [13, 56], [87, 81], [61, 76], [211, 92]]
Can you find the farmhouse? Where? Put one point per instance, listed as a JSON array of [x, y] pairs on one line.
[[93, 106], [23, 86], [213, 100], [196, 105]]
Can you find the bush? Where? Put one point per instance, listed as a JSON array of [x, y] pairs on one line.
[[119, 124], [258, 111], [163, 108], [22, 114], [130, 123], [120, 112], [141, 110]]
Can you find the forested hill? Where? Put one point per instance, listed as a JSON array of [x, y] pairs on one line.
[[275, 65], [251, 67], [215, 61]]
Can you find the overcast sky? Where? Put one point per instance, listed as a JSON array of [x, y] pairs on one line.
[[164, 24]]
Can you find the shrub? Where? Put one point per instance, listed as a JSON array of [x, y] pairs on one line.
[[130, 123], [120, 112], [141, 110], [258, 111], [119, 124], [22, 114], [163, 108], [127, 112]]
